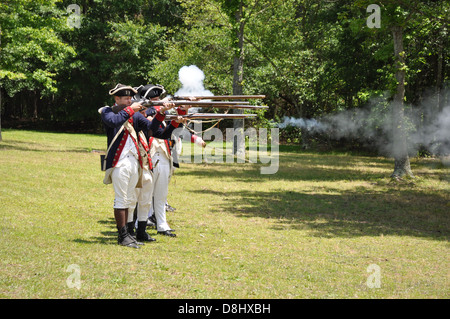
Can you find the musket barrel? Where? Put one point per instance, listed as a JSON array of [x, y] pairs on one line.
[[206, 116], [222, 97], [194, 103], [238, 106]]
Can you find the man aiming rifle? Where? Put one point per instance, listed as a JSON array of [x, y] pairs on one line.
[[124, 159]]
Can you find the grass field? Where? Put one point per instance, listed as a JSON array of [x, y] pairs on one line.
[[326, 225]]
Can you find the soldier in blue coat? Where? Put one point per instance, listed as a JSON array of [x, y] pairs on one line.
[[124, 158]]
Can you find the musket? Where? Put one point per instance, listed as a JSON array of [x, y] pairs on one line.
[[221, 97], [202, 104], [247, 107], [210, 116], [195, 103]]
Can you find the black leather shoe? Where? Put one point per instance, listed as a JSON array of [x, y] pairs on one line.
[[167, 233], [141, 234], [145, 237], [125, 239]]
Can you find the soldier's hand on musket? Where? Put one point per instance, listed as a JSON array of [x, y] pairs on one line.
[[192, 98], [185, 107], [180, 119], [167, 106], [137, 106]]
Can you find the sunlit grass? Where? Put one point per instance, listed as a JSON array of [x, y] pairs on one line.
[[309, 231]]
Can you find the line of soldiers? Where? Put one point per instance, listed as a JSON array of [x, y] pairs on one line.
[[139, 160]]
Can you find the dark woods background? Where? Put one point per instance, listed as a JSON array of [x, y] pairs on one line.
[[309, 57]]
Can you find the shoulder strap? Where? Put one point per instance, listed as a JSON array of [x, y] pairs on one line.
[[115, 138], [129, 126]]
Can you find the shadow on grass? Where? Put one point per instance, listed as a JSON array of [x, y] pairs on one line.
[[327, 211], [303, 172], [349, 214], [109, 237], [298, 166], [28, 146]]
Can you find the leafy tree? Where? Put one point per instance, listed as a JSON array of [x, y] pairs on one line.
[[118, 41], [392, 50], [33, 54], [202, 41]]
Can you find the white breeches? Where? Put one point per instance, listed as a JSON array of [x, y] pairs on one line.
[[143, 197], [124, 179], [161, 173]]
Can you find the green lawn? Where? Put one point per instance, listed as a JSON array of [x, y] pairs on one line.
[[312, 230]]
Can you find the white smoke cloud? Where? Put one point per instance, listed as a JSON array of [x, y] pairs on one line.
[[309, 124], [373, 125], [191, 78], [345, 124], [435, 135]]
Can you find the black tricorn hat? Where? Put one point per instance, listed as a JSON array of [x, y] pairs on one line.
[[122, 90], [150, 90]]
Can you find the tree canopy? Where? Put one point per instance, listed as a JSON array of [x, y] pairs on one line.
[[309, 57]]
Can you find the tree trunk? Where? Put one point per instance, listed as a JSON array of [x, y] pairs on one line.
[[439, 70], [35, 108], [238, 77], [400, 152]]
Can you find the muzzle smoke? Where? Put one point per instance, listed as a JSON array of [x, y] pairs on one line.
[[191, 78], [425, 128]]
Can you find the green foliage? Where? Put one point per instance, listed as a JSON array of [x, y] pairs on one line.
[[134, 46], [33, 52], [310, 57], [205, 43]]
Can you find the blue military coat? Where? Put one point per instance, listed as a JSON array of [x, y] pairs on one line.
[[114, 121]]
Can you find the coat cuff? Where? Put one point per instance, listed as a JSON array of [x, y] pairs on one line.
[[196, 139], [160, 117], [129, 111]]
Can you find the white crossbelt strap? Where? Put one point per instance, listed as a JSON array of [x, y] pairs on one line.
[[109, 147]]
